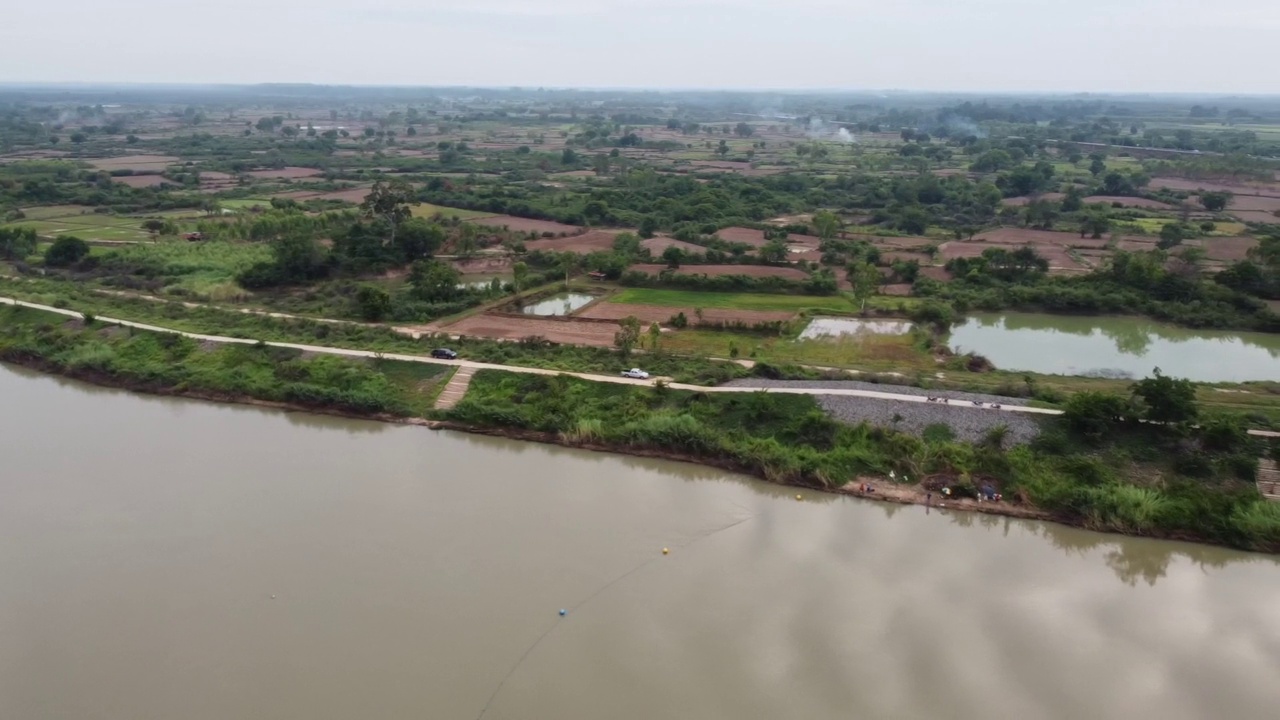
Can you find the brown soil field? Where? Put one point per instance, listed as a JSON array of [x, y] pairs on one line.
[[289, 173], [1227, 249], [896, 289], [215, 176], [1136, 202], [296, 195], [656, 245], [722, 270], [755, 238], [573, 174], [518, 224], [142, 181], [354, 195], [583, 244], [1135, 244], [1025, 200], [1038, 238], [484, 264], [1059, 259], [134, 162], [1253, 202], [1255, 216], [894, 256], [1239, 188], [662, 313], [599, 334], [897, 243], [937, 273]]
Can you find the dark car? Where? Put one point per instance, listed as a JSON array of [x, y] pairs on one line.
[[444, 354]]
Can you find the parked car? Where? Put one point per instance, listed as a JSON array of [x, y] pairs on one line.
[[635, 374], [444, 354]]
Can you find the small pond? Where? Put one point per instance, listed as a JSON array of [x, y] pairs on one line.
[[560, 304], [1117, 347], [831, 327], [481, 281]]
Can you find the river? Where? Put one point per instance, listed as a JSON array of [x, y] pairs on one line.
[[168, 559], [1117, 346]]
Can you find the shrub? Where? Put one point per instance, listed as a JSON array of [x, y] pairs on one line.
[[66, 251]]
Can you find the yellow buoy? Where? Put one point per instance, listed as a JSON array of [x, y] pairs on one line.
[[666, 551], [799, 497]]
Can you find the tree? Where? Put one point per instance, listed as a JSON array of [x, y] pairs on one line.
[[655, 337], [389, 202], [1166, 399], [519, 274], [743, 130], [1171, 235], [648, 226], [774, 251], [1215, 201], [568, 158], [66, 251], [673, 256], [373, 303], [1073, 200], [16, 243], [722, 149], [827, 224], [1095, 224], [78, 137], [418, 239], [627, 336], [434, 281], [1097, 166], [865, 280], [1096, 414]]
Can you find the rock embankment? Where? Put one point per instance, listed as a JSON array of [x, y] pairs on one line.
[[968, 422]]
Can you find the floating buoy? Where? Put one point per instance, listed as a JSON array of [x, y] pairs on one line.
[[563, 612], [666, 551], [799, 497], [273, 597]]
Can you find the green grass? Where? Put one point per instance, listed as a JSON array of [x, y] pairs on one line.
[[426, 210], [244, 203]]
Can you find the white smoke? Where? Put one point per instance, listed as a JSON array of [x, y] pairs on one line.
[[959, 126], [819, 129]]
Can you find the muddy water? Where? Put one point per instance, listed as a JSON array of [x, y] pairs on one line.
[[560, 304], [1117, 347], [173, 559], [825, 327]]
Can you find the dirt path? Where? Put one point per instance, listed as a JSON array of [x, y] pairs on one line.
[[617, 379]]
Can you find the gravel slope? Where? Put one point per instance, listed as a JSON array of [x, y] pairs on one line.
[[966, 421]]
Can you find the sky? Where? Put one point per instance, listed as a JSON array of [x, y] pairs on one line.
[[945, 45]]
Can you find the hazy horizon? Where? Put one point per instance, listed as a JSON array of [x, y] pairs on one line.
[[974, 46]]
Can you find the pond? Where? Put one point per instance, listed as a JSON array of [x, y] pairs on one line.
[[481, 281], [167, 558], [1117, 347], [831, 327], [563, 303]]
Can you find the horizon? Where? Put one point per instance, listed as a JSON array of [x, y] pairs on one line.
[[923, 46]]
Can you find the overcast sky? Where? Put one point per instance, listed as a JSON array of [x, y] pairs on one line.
[[980, 45]]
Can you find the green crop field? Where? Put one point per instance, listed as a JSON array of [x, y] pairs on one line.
[[426, 210]]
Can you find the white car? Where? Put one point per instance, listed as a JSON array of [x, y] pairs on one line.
[[635, 374]]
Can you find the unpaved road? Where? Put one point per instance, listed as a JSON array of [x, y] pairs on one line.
[[902, 397]]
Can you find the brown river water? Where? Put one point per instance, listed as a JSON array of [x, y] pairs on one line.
[[170, 559]]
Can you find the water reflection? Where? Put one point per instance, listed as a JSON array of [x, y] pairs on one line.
[[560, 304], [1117, 347]]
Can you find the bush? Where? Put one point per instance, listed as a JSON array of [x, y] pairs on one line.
[[66, 251]]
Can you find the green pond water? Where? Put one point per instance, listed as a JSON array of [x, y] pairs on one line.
[[1117, 347]]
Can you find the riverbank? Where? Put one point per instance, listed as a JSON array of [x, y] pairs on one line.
[[869, 487], [1158, 485]]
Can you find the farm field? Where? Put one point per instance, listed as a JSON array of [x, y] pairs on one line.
[[519, 224], [732, 301], [758, 271], [662, 313], [588, 242], [505, 327], [426, 210]]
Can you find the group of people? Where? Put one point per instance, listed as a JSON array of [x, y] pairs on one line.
[[947, 401]]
